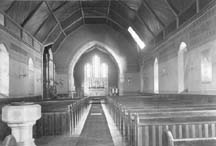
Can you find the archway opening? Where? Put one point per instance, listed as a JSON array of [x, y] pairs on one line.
[[181, 67], [4, 70], [113, 53], [156, 76], [95, 73]]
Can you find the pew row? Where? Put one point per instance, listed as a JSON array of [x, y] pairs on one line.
[[61, 121], [144, 126], [170, 141], [59, 117]]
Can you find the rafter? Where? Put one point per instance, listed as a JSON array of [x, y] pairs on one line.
[[175, 13], [60, 6], [108, 9], [73, 23], [140, 19], [83, 15], [11, 5], [50, 33], [153, 12], [113, 21], [38, 29], [31, 14], [50, 10]]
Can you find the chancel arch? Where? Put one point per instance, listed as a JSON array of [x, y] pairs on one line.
[[4, 70], [119, 61], [95, 73], [181, 67]]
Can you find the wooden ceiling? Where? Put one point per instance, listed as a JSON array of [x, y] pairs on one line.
[[51, 21]]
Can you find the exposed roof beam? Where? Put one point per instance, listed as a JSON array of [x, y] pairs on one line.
[[108, 9], [31, 14], [143, 22], [83, 15], [153, 12], [175, 13], [50, 33], [73, 23], [11, 5], [38, 29], [60, 6], [72, 13], [96, 17], [55, 18]]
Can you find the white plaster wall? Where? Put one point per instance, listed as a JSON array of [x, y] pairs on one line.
[[199, 35], [132, 86], [18, 67]]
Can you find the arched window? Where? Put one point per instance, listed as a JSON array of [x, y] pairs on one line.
[[51, 67], [156, 76], [48, 71], [4, 70], [181, 67], [95, 77], [31, 76]]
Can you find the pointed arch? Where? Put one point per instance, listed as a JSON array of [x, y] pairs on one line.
[[156, 76], [48, 71], [181, 67], [4, 70]]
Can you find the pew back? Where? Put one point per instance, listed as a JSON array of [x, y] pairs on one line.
[[186, 117], [170, 141]]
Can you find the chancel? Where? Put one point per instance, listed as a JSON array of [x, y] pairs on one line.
[[108, 73]]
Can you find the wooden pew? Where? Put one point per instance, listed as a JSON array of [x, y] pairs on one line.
[[59, 117], [170, 141], [61, 120], [189, 119]]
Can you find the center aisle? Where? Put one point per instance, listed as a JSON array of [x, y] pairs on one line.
[[95, 131]]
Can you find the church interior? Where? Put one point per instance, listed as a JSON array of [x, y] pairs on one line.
[[107, 73]]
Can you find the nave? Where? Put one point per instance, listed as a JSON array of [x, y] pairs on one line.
[[153, 61], [138, 120], [97, 129]]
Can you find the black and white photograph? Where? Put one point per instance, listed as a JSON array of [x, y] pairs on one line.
[[107, 72]]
